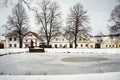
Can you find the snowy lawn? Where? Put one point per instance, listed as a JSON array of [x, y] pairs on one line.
[[8, 51], [101, 76], [58, 64], [53, 63]]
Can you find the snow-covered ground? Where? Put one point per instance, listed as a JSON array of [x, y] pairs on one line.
[[78, 50], [13, 51], [101, 76], [51, 63]]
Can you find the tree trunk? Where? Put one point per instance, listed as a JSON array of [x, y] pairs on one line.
[[20, 42], [20, 39], [48, 42], [75, 41]]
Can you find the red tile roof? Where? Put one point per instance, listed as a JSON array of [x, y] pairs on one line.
[[35, 34]]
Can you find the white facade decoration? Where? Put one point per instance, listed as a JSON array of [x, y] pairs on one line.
[[59, 41], [83, 41], [108, 42], [31, 36]]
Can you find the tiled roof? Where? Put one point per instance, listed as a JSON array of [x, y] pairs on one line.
[[14, 33]]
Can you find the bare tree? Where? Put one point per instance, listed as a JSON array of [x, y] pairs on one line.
[[77, 21], [11, 2], [18, 21], [49, 18], [115, 20]]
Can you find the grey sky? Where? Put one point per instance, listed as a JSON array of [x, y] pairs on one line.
[[98, 11]]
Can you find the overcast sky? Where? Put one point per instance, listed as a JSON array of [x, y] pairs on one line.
[[98, 10]]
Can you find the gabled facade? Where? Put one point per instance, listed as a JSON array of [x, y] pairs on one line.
[[59, 41], [83, 40], [31, 36], [108, 42]]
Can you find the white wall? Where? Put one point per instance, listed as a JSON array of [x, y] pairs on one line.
[[30, 37], [12, 42]]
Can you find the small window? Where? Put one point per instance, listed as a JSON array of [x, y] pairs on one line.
[[60, 45], [14, 45], [81, 45], [10, 45], [65, 46], [14, 39], [109, 45], [29, 35], [113, 45], [86, 45], [106, 46], [26, 45], [55, 45], [10, 39], [91, 46]]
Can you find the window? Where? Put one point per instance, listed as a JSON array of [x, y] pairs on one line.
[[55, 45], [26, 45], [60, 45], [113, 46], [101, 40], [30, 35], [91, 46], [106, 46], [10, 39], [86, 45], [97, 40], [81, 45], [14, 39], [109, 45], [65, 46], [14, 45], [10, 45]]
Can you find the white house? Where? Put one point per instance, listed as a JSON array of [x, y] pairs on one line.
[[108, 42], [31, 36], [59, 41], [83, 40], [12, 40]]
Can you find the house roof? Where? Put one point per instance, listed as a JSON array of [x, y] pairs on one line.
[[58, 34], [35, 34], [13, 33]]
